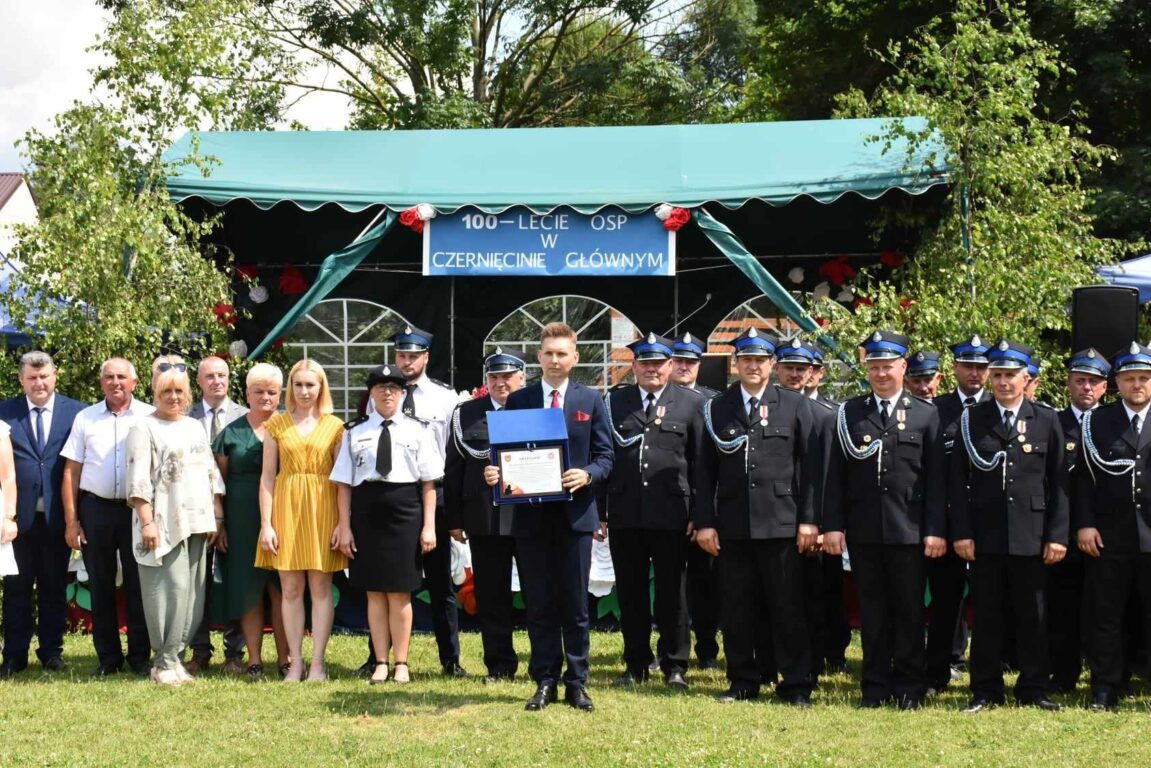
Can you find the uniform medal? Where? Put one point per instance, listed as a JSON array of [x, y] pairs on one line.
[[763, 415], [660, 410], [901, 417]]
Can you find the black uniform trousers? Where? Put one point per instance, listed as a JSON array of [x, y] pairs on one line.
[[441, 592], [554, 563], [635, 552], [1009, 588], [946, 576], [774, 567], [837, 627], [492, 572], [1110, 581], [1065, 626], [891, 579], [107, 525], [42, 559], [201, 640], [704, 598]]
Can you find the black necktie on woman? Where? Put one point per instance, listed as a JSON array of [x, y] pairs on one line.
[[384, 450]]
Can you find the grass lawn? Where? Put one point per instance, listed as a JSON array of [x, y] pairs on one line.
[[70, 718]]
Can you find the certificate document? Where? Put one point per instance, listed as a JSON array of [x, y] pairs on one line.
[[526, 472]]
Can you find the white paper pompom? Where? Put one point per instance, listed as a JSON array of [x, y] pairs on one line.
[[663, 211], [425, 211], [258, 294], [795, 275], [845, 295], [821, 291], [238, 349]]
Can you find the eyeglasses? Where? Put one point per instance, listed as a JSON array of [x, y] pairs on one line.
[[180, 367]]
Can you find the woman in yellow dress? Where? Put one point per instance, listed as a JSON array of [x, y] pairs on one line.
[[298, 512]]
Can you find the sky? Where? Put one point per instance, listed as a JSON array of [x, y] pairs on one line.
[[44, 68]]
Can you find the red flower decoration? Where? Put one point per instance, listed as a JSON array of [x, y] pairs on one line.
[[278, 344], [224, 356], [906, 302], [891, 259], [837, 270], [480, 392], [248, 271], [676, 219], [861, 301], [292, 282], [821, 321], [225, 314], [411, 219]]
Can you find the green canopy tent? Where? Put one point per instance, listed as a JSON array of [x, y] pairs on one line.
[[771, 182]]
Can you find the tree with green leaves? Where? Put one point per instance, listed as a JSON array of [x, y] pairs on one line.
[[1015, 235]]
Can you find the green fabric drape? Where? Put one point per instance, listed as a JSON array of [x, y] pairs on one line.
[[731, 247], [335, 268]]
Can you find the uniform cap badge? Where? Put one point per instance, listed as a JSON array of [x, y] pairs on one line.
[[1004, 346], [407, 329], [651, 338], [687, 338], [1091, 353], [975, 341], [1134, 348], [877, 337], [752, 333]]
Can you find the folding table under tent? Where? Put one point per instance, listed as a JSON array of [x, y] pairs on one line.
[[764, 198]]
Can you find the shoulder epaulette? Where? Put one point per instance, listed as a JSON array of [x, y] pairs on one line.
[[439, 383], [1042, 404], [925, 401], [821, 403], [423, 422], [355, 422], [695, 392]]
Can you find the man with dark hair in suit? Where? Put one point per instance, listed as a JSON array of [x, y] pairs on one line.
[[885, 499], [1008, 517], [553, 540], [1111, 512], [40, 420], [472, 517], [215, 410], [657, 427], [756, 509]]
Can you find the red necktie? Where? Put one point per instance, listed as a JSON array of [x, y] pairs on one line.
[[555, 398]]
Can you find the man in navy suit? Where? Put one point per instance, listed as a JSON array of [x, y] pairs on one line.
[[40, 421], [553, 540]]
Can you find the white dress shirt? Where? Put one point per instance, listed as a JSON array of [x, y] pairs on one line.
[[891, 402], [434, 404], [1141, 414], [747, 399], [548, 389], [99, 442], [414, 453], [1014, 410]]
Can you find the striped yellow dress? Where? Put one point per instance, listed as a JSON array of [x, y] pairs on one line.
[[304, 499]]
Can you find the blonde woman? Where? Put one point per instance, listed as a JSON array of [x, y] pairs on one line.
[[239, 450], [174, 488], [298, 515]]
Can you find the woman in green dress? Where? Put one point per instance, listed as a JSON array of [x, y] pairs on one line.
[[239, 451]]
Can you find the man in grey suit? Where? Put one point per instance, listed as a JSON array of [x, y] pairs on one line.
[[215, 411]]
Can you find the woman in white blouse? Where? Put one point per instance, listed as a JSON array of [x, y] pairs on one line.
[[175, 488], [7, 486]]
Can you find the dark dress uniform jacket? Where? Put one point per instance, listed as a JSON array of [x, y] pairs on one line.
[[905, 501], [467, 498], [950, 408], [1012, 514], [653, 489], [776, 491], [1123, 518], [1072, 434]]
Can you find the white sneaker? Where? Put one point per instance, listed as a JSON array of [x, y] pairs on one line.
[[166, 677], [183, 673]]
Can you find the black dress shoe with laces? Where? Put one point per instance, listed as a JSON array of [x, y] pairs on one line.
[[909, 703], [1044, 703], [734, 694], [10, 667], [576, 696], [453, 669], [1103, 702], [54, 664], [545, 694], [978, 705], [709, 663], [676, 681], [631, 677], [106, 670]]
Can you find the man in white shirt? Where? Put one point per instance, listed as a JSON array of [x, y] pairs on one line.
[[98, 520]]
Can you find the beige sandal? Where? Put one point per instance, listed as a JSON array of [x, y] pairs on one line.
[[377, 677], [401, 673]]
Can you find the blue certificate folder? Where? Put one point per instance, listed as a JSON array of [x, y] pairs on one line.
[[534, 429]]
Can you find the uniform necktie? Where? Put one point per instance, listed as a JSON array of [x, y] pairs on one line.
[[1008, 420], [555, 399], [40, 437], [650, 409], [968, 401], [1135, 424], [409, 406], [384, 450], [752, 406], [217, 422], [883, 412]]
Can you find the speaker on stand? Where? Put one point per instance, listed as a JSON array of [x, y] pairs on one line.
[[1105, 317]]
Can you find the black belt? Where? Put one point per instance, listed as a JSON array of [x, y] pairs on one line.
[[90, 495]]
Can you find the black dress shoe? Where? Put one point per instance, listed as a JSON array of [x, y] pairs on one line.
[[54, 664], [734, 694], [142, 668], [545, 694], [799, 700], [453, 669], [9, 668], [499, 677], [675, 680], [869, 703], [576, 696], [105, 670], [709, 663], [1103, 702], [631, 677], [909, 703], [978, 705], [1044, 703], [367, 669]]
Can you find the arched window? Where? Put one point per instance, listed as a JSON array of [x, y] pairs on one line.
[[603, 334], [348, 337]]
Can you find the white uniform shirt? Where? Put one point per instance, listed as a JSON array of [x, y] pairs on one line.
[[434, 404], [98, 442], [415, 455]]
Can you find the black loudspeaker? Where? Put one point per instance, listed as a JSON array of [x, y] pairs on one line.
[[1105, 317], [713, 370]]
